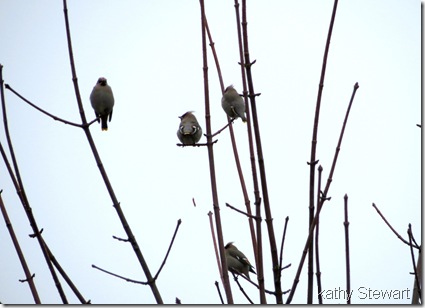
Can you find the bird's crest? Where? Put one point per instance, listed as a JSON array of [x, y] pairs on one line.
[[185, 114]]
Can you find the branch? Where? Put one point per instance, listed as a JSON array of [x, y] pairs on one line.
[[118, 276], [318, 272], [169, 248], [242, 212], [215, 202], [19, 251], [283, 241], [242, 289], [215, 244], [43, 111], [392, 229], [347, 248], [196, 144], [19, 185], [102, 171], [219, 292], [418, 286], [313, 160], [261, 165], [323, 198]]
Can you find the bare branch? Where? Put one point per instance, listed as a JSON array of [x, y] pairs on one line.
[[391, 227], [242, 289], [242, 212], [120, 239], [215, 202], [118, 276], [131, 238], [318, 272], [196, 144], [283, 241], [169, 249], [41, 110], [418, 285], [215, 244], [219, 292], [324, 198], [347, 248]]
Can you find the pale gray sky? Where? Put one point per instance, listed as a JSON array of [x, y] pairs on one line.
[[150, 52]]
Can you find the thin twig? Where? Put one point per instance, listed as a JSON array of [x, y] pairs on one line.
[[223, 128], [418, 286], [242, 289], [119, 276], [347, 248], [195, 145], [169, 249], [215, 244], [323, 198], [257, 286], [219, 292], [239, 211], [283, 241], [391, 227], [120, 239], [316, 241], [41, 110]]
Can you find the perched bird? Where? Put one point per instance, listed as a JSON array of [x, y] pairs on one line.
[[237, 262], [233, 104], [102, 101], [189, 131]]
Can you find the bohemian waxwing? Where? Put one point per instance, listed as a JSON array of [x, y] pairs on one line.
[[237, 262], [189, 131], [102, 101], [233, 104]]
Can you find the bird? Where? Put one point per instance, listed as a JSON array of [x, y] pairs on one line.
[[102, 101], [189, 131], [237, 262], [233, 104]]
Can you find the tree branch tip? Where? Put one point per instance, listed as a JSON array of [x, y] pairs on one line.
[[345, 196], [419, 125], [33, 235], [24, 280], [179, 221], [7, 86], [314, 163], [356, 86], [120, 239]]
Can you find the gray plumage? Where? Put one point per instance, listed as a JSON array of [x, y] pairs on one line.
[[233, 104], [237, 262], [102, 101], [189, 131]]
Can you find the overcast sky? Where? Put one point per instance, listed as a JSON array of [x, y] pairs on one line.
[[150, 52]]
